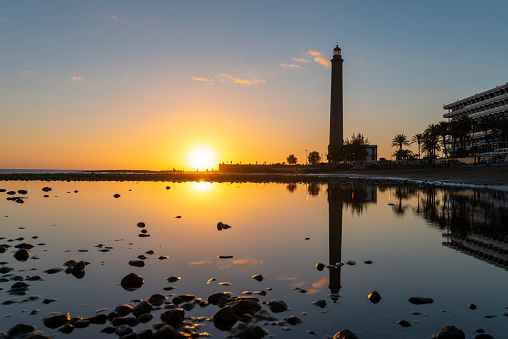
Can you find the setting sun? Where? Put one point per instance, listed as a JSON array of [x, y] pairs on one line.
[[202, 159]]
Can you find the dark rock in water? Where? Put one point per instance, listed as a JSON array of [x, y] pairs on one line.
[[224, 256], [177, 300], [35, 278], [225, 318], [25, 245], [173, 317], [49, 301], [143, 235], [277, 306], [187, 297], [163, 257], [165, 332], [450, 332], [142, 257], [321, 303], [214, 298], [292, 320], [420, 300], [374, 297], [53, 270], [144, 231], [351, 262], [22, 192], [66, 329], [141, 224], [82, 323], [34, 312], [472, 306], [483, 336], [157, 299], [108, 330], [47, 189], [3, 249], [137, 263], [404, 323], [248, 331], [131, 282], [5, 269], [320, 266], [22, 255], [167, 187], [116, 195], [147, 333], [258, 277], [145, 317], [56, 320], [123, 330], [123, 310], [244, 306], [70, 263], [368, 262], [11, 192], [178, 216], [150, 252], [78, 268], [142, 308], [20, 329], [345, 334], [97, 319], [130, 321], [173, 279]]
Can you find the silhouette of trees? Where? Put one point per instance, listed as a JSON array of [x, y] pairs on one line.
[[314, 157], [398, 141], [430, 141], [291, 159], [443, 130], [354, 149], [418, 139]]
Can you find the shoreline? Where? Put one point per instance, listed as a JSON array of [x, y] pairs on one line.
[[491, 177]]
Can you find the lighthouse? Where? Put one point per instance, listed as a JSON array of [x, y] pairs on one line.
[[336, 106]]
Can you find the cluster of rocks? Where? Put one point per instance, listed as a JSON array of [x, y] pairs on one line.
[[221, 226], [144, 231]]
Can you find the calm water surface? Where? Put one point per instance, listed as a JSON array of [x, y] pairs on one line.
[[449, 245]]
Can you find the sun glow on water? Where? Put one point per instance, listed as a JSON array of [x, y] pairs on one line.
[[202, 159]]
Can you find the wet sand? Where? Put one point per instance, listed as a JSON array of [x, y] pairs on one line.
[[487, 176]]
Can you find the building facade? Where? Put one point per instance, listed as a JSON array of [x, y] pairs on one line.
[[492, 103]]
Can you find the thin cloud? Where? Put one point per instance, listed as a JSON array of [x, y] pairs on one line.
[[302, 60], [256, 81], [229, 78], [322, 61], [287, 278], [202, 262], [243, 81], [313, 53], [3, 20], [26, 72], [114, 17], [75, 78], [290, 66], [202, 79]]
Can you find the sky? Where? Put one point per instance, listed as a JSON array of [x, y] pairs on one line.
[[157, 84]]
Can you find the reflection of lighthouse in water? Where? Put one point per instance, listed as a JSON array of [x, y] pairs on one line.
[[355, 197]]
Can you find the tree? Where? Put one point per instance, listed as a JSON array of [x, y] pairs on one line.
[[356, 148], [291, 159], [400, 140], [418, 139], [443, 130], [430, 141], [314, 157], [402, 154]]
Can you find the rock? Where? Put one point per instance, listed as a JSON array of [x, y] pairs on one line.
[[142, 308], [20, 329], [147, 333], [22, 254], [82, 323], [131, 282], [368, 262], [420, 300], [141, 224], [345, 334], [374, 297], [78, 268], [404, 323], [163, 257], [248, 331], [321, 303], [483, 336], [143, 235], [351, 262], [167, 187], [122, 310], [320, 266], [119, 321], [225, 318], [258, 277], [56, 320], [6, 269], [173, 317], [123, 330], [472, 306], [157, 299], [277, 306], [145, 317], [144, 231], [450, 332], [108, 330], [53, 270], [214, 298], [224, 256], [292, 320], [116, 195], [165, 332], [97, 319], [244, 306], [137, 263], [47, 189], [66, 329], [173, 279], [49, 301]]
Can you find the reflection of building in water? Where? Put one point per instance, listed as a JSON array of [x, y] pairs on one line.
[[490, 250], [354, 196]]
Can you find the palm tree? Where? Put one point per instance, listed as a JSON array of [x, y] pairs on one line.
[[418, 139], [443, 130], [430, 141], [400, 140]]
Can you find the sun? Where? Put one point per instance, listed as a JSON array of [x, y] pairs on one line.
[[202, 159]]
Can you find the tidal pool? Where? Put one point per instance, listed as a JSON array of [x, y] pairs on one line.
[[450, 245]]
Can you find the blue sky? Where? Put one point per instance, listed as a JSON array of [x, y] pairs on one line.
[[131, 84]]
